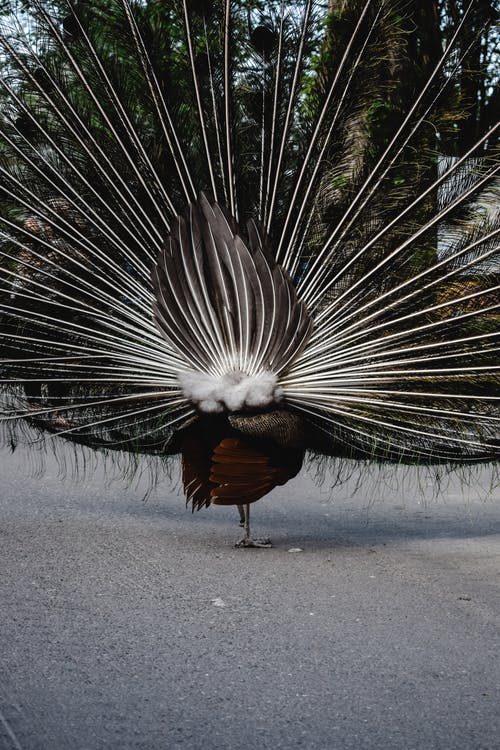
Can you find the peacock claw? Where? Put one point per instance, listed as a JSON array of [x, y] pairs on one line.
[[248, 542]]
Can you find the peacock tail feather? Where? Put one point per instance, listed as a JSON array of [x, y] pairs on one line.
[[218, 208]]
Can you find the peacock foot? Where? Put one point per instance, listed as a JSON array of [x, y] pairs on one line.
[[249, 542]]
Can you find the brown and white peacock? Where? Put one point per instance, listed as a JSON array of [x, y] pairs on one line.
[[243, 231]]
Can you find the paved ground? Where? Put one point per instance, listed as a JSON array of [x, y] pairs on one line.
[[126, 624]]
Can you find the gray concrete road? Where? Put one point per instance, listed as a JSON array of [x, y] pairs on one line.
[[126, 624]]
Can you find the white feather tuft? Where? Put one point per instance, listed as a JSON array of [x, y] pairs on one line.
[[233, 391]]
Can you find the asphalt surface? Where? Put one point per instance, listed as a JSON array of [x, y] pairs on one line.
[[130, 624]]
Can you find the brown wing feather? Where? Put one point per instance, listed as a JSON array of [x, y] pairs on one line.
[[242, 474], [231, 470]]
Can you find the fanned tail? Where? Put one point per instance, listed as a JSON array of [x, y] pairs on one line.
[[230, 313], [344, 266]]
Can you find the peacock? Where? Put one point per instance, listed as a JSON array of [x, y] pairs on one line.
[[247, 232]]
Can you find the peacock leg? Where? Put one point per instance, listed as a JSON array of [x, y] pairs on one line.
[[247, 540], [241, 511]]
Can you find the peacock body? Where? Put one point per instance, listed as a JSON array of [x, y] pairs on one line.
[[237, 232]]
